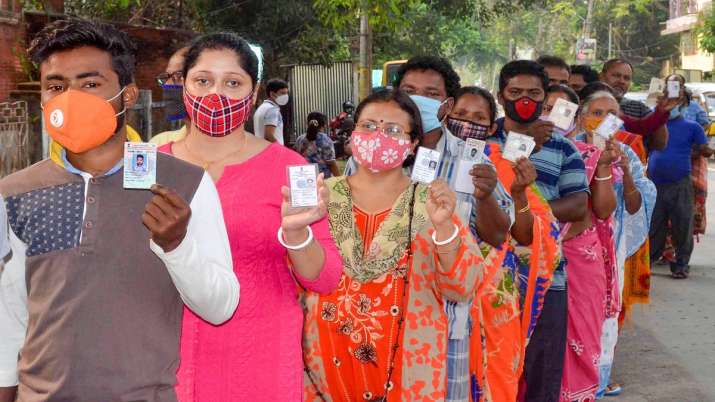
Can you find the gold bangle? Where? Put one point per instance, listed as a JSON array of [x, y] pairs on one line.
[[632, 192], [525, 209]]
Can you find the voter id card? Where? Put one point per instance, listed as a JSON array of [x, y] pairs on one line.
[[472, 154], [607, 129], [563, 113], [657, 86], [518, 146], [303, 180], [139, 165], [426, 164], [673, 89]]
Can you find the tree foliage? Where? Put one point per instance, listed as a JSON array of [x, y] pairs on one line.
[[474, 34], [706, 31]]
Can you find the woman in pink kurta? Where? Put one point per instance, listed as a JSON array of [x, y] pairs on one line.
[[256, 355]]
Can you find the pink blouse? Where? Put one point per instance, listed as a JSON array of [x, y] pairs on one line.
[[256, 355]]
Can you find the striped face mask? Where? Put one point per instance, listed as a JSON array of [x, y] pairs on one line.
[[218, 115]]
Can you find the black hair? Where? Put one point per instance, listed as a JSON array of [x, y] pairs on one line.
[[594, 87], [478, 91], [553, 61], [613, 62], [573, 97], [438, 64], [275, 85], [68, 34], [223, 40], [315, 121], [589, 75], [140, 156], [522, 67], [405, 103]]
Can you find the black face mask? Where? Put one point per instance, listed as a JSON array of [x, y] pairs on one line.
[[173, 97], [523, 110]]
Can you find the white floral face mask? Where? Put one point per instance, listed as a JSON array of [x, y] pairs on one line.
[[379, 152]]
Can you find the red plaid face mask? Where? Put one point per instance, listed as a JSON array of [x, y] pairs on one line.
[[217, 115]]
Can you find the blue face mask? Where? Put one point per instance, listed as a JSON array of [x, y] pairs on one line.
[[429, 108], [675, 113]]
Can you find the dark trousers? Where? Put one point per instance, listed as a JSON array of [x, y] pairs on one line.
[[544, 363], [674, 204]]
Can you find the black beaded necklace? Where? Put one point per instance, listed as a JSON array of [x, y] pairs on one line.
[[390, 368]]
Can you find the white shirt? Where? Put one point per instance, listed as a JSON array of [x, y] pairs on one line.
[[201, 268], [268, 114]]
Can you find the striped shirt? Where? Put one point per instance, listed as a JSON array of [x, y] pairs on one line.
[[560, 172]]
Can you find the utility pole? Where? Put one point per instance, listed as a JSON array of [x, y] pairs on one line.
[[610, 41], [587, 22], [365, 65]]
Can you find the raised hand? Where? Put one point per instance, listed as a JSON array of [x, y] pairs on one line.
[[167, 217], [525, 175], [485, 180], [441, 202], [295, 220]]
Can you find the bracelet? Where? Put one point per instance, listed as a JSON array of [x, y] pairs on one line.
[[632, 192], [457, 245], [609, 177], [449, 240], [525, 209], [298, 247]]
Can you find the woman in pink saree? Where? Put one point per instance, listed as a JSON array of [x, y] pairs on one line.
[[592, 278]]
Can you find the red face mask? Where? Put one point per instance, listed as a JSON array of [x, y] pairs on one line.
[[523, 110], [218, 115]]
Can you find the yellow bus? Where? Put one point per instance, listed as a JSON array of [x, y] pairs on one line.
[[389, 71]]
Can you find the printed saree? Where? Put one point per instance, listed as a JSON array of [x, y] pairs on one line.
[[593, 293], [507, 305], [631, 237], [350, 335]]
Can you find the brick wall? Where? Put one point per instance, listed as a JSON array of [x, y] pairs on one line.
[[155, 46], [11, 37]]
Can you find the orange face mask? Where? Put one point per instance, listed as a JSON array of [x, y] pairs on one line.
[[80, 121], [591, 123]]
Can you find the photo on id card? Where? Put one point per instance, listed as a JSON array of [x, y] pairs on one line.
[[518, 146], [139, 165], [303, 181], [472, 154], [426, 164]]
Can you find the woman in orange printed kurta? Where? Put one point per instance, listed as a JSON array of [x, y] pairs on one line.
[[382, 335]]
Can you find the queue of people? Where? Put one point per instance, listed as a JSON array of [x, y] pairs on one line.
[[212, 286]]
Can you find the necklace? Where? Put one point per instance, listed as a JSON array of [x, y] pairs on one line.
[[389, 386], [206, 164]]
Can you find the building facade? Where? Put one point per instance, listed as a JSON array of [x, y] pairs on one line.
[[682, 21]]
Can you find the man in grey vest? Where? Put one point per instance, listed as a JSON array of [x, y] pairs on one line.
[[93, 289]]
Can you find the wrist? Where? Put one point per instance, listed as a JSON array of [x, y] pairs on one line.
[[444, 230], [295, 236]]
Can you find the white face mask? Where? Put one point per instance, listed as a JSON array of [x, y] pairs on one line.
[[282, 100]]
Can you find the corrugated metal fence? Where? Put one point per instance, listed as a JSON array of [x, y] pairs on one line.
[[317, 88]]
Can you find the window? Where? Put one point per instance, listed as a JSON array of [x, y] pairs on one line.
[[689, 43]]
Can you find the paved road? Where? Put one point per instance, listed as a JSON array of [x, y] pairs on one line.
[[667, 351]]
